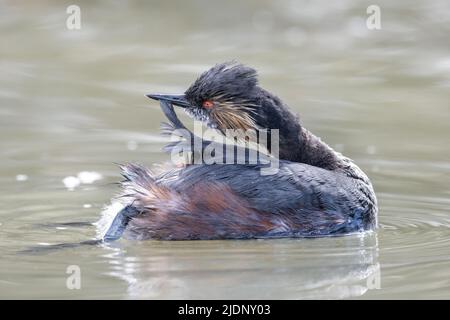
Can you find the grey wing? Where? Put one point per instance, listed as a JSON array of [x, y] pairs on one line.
[[309, 193]]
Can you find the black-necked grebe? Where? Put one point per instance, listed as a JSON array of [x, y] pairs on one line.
[[315, 192]]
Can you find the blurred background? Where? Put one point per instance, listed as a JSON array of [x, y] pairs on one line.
[[72, 104]]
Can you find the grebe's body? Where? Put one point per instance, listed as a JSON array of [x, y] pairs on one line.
[[316, 191]]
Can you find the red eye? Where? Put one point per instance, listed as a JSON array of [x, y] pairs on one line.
[[208, 104]]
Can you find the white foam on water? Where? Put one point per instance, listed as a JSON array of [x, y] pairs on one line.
[[71, 182], [83, 177], [89, 177], [21, 177]]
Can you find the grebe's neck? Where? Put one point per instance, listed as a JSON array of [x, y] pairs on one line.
[[296, 143], [313, 151], [310, 149]]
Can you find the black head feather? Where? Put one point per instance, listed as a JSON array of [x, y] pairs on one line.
[[229, 80]]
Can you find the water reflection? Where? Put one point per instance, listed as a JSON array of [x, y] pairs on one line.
[[276, 269]]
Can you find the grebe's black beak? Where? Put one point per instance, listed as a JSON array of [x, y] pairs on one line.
[[175, 99]]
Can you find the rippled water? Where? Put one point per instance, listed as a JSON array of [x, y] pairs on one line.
[[73, 101]]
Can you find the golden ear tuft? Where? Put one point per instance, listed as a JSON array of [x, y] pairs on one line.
[[230, 116]]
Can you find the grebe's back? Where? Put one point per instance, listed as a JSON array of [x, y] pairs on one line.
[[236, 202]]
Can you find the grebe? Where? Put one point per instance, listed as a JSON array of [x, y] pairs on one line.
[[316, 191]]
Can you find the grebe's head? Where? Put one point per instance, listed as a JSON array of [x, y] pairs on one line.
[[227, 96]]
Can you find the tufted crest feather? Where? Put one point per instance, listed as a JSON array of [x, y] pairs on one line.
[[221, 81]]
